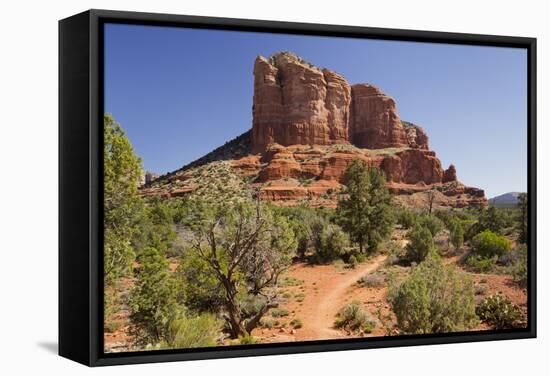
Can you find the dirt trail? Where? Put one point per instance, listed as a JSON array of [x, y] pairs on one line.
[[327, 305]]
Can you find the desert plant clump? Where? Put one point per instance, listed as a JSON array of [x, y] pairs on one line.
[[189, 332], [372, 280], [478, 264], [499, 311], [354, 318], [352, 262], [518, 269], [488, 244], [296, 323], [279, 312], [433, 298], [420, 245]]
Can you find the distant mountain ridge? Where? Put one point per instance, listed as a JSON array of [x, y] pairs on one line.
[[506, 199]]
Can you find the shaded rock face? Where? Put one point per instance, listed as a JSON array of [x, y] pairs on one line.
[[296, 103], [374, 122], [450, 174]]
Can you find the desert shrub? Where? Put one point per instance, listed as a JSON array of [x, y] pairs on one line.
[[479, 264], [488, 244], [200, 289], [433, 298], [152, 301], [267, 323], [290, 281], [372, 280], [494, 219], [279, 312], [353, 317], [499, 311], [522, 218], [420, 244], [406, 218], [330, 241], [248, 340], [360, 257], [518, 269], [457, 234], [296, 323], [300, 297], [480, 289], [198, 331], [352, 262], [432, 223]]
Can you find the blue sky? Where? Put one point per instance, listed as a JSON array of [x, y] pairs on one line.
[[179, 93]]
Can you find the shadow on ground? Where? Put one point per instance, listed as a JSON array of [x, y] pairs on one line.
[[50, 347]]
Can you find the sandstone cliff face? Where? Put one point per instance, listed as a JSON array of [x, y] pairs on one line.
[[374, 122], [297, 103]]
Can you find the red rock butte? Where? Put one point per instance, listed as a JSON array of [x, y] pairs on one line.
[[309, 124]]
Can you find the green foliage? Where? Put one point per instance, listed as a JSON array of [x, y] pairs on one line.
[[352, 262], [267, 323], [296, 323], [121, 204], [523, 218], [248, 340], [420, 244], [499, 311], [194, 331], [279, 312], [329, 241], [372, 280], [153, 298], [201, 290], [406, 218], [155, 227], [364, 211], [432, 223], [488, 244], [246, 246], [457, 234], [434, 298], [518, 269], [353, 317], [479, 264], [494, 219]]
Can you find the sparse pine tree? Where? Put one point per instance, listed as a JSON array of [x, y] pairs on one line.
[[364, 211]]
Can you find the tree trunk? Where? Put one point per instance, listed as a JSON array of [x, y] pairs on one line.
[[233, 311]]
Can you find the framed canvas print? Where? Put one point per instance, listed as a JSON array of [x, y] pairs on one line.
[[238, 187]]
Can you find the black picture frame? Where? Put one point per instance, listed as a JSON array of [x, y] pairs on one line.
[[80, 185]]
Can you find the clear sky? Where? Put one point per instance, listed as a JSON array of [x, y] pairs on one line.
[[179, 93]]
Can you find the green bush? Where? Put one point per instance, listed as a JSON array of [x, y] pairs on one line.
[[248, 340], [330, 242], [296, 323], [432, 223], [406, 218], [420, 244], [488, 244], [198, 331], [518, 270], [499, 311], [372, 280], [267, 323], [352, 262], [479, 264], [457, 234], [152, 301], [279, 312], [353, 317], [433, 298]]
